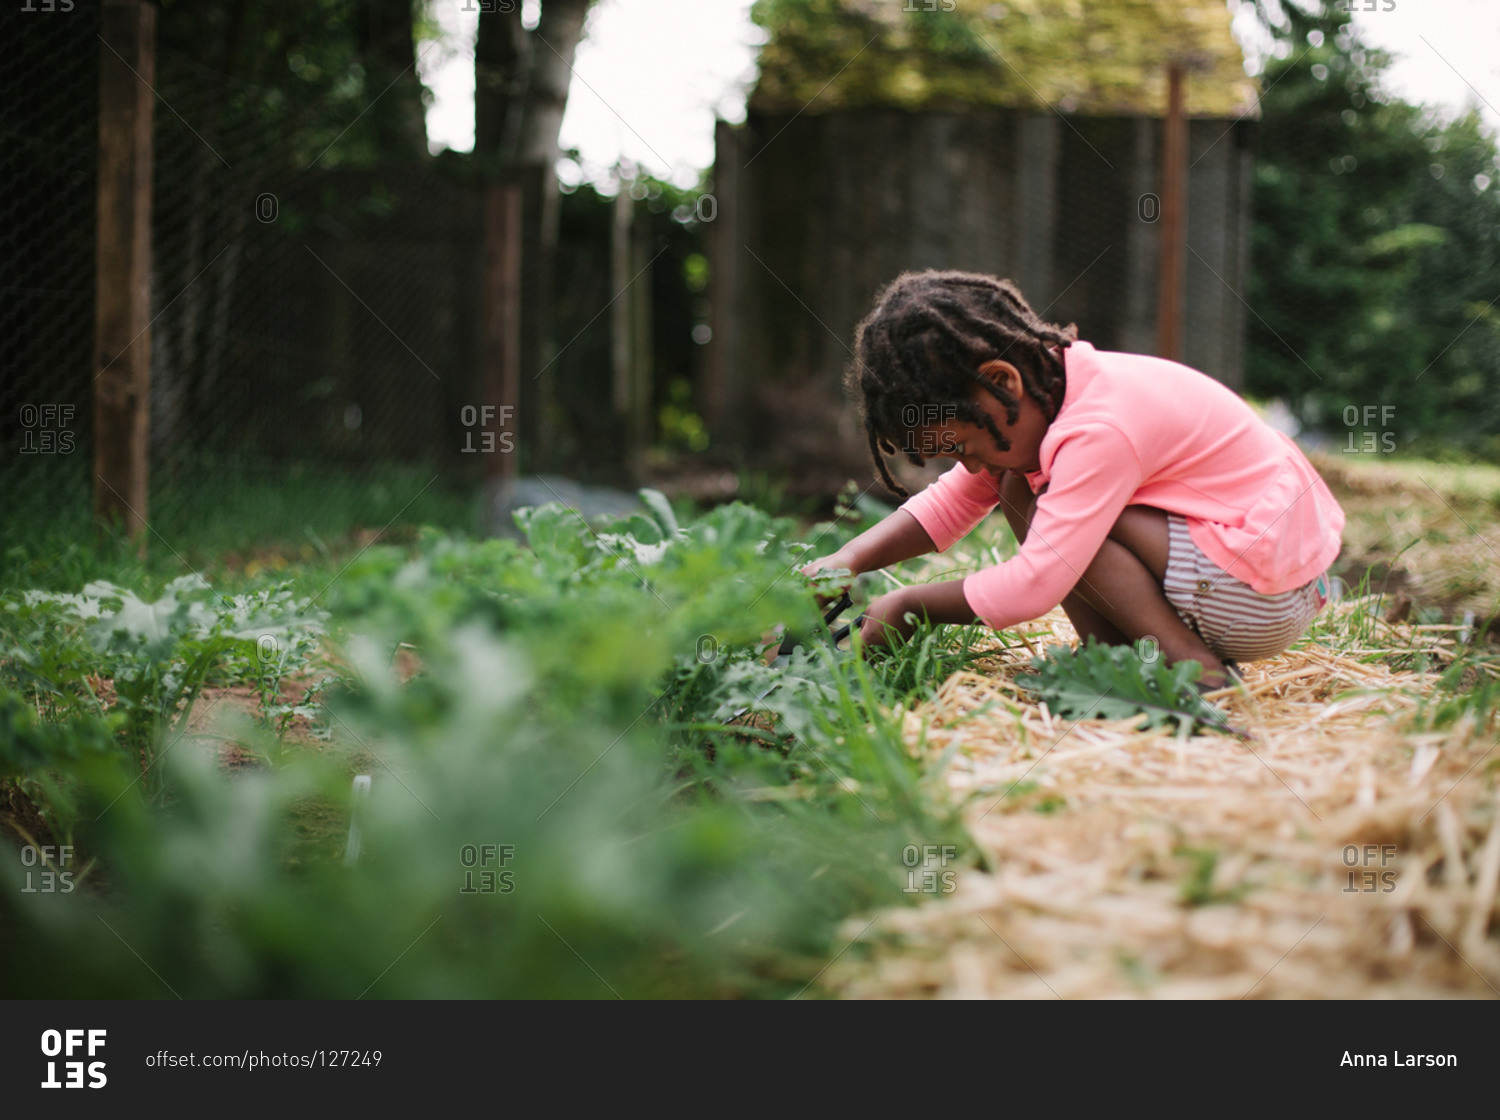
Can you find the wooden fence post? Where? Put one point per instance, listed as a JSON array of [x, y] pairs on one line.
[[1172, 260], [501, 360], [122, 315], [630, 332]]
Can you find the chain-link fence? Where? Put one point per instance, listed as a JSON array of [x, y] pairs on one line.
[[48, 162], [315, 303], [302, 312]]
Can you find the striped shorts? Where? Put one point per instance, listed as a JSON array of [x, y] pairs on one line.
[[1233, 619]]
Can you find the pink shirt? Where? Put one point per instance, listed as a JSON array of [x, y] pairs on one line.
[[1138, 430]]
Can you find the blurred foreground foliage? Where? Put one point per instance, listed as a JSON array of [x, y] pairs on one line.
[[564, 798]]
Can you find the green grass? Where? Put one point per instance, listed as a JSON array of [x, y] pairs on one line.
[[227, 521]]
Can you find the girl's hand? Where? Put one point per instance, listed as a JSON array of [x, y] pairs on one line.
[[832, 560], [893, 616], [890, 619], [830, 590], [898, 537]]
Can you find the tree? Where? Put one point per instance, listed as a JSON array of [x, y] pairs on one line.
[[1376, 248], [521, 81], [948, 54], [383, 33], [331, 81]]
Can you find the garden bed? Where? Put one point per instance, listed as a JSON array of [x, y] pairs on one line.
[[1350, 848]]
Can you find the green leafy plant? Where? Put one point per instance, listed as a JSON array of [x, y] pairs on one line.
[[1467, 690], [1100, 681], [59, 767], [154, 656]]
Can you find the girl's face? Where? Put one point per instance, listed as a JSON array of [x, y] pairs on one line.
[[973, 446]]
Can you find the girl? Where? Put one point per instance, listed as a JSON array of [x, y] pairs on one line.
[[1148, 499]]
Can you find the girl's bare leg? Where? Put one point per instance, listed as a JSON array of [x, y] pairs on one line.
[[1119, 597]]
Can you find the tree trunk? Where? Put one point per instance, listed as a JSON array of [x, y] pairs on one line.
[[557, 36], [520, 93], [501, 55]]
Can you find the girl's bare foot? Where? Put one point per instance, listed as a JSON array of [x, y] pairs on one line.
[[1213, 681]]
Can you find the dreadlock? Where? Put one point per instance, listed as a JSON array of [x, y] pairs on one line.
[[922, 346]]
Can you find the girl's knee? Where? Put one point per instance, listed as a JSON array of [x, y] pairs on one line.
[[1143, 531]]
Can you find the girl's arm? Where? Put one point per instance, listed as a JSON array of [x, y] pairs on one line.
[[929, 522], [886, 617], [891, 540], [898, 537]]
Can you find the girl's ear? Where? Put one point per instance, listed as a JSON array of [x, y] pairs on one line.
[[1005, 375]]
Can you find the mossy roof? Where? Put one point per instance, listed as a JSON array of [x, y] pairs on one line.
[[1097, 57]]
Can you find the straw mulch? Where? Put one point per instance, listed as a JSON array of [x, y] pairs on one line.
[[1423, 527], [1341, 851]]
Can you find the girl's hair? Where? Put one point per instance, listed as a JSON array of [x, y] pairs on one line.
[[918, 353]]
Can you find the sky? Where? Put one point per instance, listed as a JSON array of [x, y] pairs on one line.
[[650, 76]]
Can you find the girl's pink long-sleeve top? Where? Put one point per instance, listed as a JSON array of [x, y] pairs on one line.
[[1138, 430]]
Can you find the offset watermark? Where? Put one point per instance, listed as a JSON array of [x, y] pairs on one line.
[[480, 421], [1361, 422], [703, 209], [268, 650], [1352, 6], [707, 649], [47, 6], [1367, 868], [930, 5], [927, 869], [1148, 207], [486, 868], [45, 429], [927, 431], [317, 1059], [45, 869], [928, 415], [68, 1043]]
